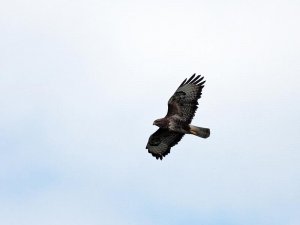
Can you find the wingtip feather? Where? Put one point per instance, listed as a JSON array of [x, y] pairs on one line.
[[191, 78], [183, 82], [195, 80]]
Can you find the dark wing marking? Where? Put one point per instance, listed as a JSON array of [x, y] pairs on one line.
[[161, 141], [184, 102]]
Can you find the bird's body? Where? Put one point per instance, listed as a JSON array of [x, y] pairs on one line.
[[181, 110], [173, 123]]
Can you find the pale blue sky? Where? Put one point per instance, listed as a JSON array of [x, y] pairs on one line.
[[82, 81]]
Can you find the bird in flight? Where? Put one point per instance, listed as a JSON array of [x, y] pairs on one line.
[[181, 110]]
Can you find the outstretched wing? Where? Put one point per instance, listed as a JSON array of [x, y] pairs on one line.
[[184, 101], [161, 141]]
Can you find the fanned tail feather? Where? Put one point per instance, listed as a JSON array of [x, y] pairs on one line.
[[200, 131]]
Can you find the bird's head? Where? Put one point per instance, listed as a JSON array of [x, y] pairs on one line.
[[160, 122], [155, 122]]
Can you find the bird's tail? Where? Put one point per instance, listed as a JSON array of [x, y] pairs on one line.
[[200, 131]]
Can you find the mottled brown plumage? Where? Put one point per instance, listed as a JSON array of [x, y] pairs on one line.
[[181, 110]]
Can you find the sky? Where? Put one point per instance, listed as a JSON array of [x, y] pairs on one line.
[[81, 83]]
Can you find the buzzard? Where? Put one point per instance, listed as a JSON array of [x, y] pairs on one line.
[[181, 110]]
